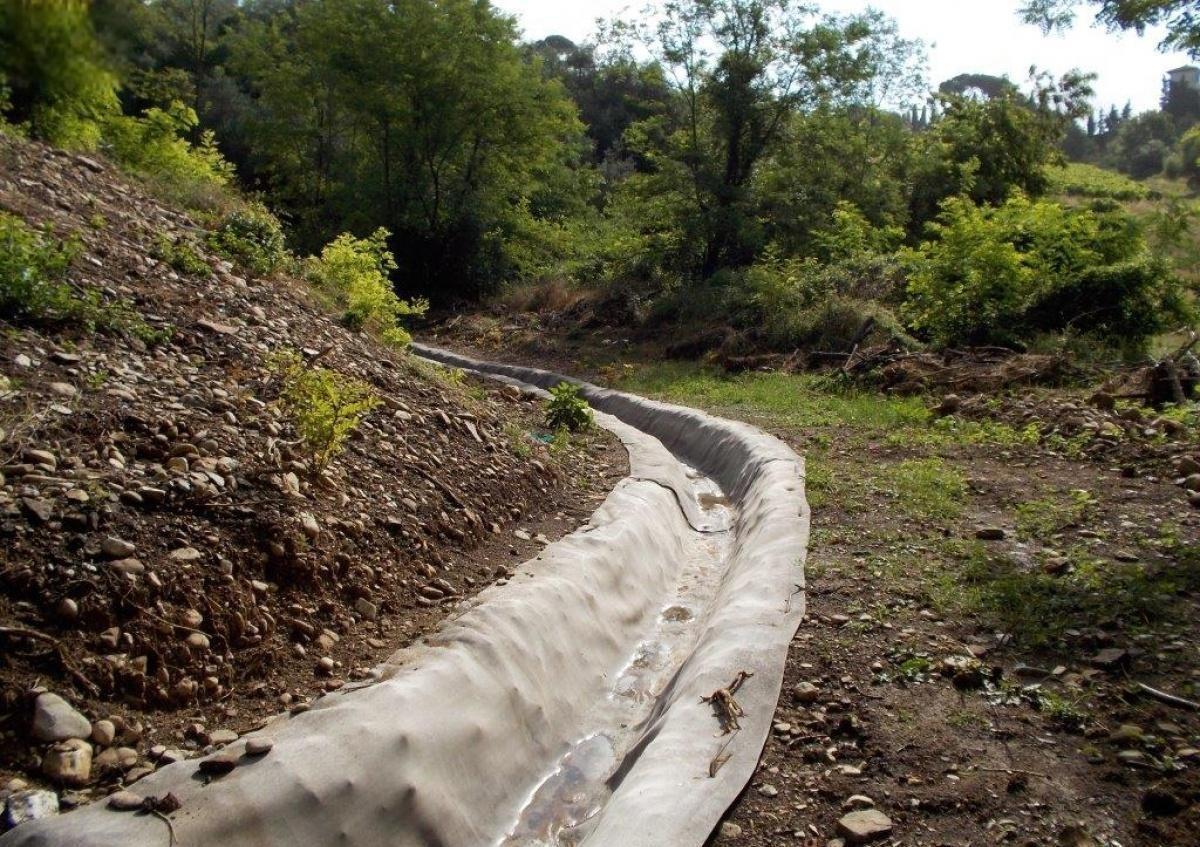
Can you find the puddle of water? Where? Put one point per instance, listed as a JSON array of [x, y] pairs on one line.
[[559, 810], [562, 806]]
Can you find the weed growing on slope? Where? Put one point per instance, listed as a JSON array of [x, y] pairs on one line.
[[34, 289], [324, 405], [567, 410]]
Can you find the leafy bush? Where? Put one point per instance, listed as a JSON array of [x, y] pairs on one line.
[[34, 287], [252, 238], [155, 148], [55, 76], [181, 255], [566, 409], [33, 272], [355, 272], [1077, 179], [324, 405], [851, 235], [787, 304], [999, 275]]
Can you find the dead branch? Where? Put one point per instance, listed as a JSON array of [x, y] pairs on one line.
[[1169, 699], [725, 706]]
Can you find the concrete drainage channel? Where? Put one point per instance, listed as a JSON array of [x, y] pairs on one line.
[[565, 707]]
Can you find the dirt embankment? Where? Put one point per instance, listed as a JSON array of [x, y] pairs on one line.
[[171, 565]]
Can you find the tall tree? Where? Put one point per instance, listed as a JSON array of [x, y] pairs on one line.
[[420, 115], [739, 69], [54, 71], [1180, 18]]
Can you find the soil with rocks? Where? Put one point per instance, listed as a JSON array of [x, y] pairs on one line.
[[173, 567]]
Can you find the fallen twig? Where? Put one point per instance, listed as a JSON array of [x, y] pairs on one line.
[[1169, 699], [725, 706], [1015, 771], [722, 757]]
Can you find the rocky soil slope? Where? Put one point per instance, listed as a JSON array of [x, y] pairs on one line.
[[172, 569]]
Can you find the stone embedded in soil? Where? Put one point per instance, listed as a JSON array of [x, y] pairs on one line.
[[128, 567], [69, 762], [366, 608], [768, 790], [864, 827], [54, 719], [1110, 658], [805, 692], [40, 457], [117, 548], [26, 806], [730, 830], [325, 665], [990, 533], [36, 510], [858, 801], [67, 610], [221, 736], [104, 733]]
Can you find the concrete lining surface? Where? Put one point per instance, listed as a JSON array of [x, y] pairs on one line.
[[447, 746]]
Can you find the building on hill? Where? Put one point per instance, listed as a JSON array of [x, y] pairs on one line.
[[1186, 77]]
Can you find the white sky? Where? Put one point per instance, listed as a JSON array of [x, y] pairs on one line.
[[980, 36]]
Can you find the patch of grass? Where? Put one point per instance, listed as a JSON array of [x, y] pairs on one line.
[[518, 440], [1041, 519], [950, 430], [1069, 714], [926, 488], [818, 482], [964, 719], [1036, 607], [1077, 179], [789, 400]]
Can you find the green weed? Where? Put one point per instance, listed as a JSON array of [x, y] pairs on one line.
[[567, 410], [790, 400], [324, 406], [926, 488], [1041, 519]]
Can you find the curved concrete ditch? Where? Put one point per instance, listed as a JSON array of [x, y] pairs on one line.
[[562, 708]]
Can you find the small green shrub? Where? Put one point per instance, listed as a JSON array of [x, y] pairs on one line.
[[324, 406], [34, 287], [567, 410], [155, 148], [252, 238], [355, 272], [33, 272], [181, 255]]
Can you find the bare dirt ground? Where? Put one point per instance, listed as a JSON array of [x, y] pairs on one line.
[[987, 592], [172, 564]]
